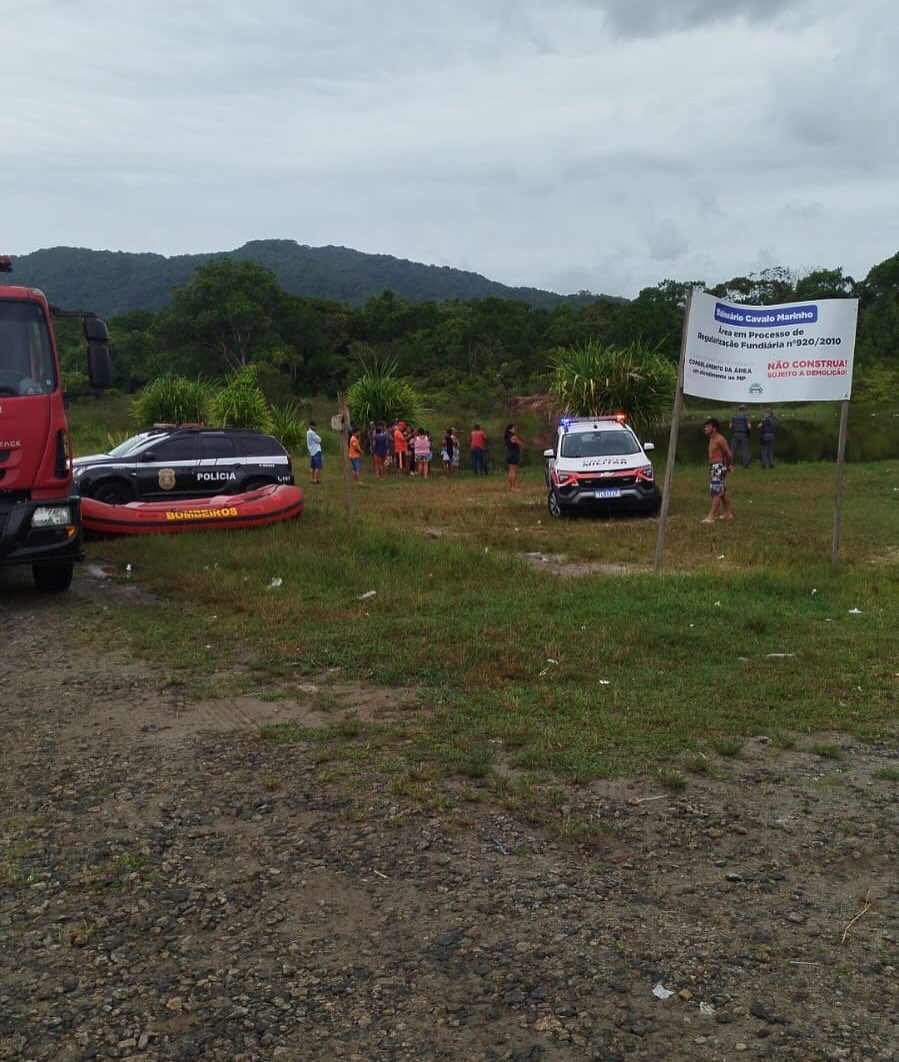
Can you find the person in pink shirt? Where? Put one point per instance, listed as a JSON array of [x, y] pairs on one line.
[[478, 444], [421, 445]]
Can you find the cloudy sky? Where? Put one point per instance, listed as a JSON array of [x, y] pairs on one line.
[[564, 144]]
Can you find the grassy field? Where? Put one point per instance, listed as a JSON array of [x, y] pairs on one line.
[[541, 650]]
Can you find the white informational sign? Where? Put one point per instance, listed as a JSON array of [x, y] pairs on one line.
[[796, 352]]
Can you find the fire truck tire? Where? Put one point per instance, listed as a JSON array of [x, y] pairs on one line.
[[52, 578]]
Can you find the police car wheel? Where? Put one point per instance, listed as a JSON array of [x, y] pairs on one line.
[[553, 504], [114, 492], [255, 484]]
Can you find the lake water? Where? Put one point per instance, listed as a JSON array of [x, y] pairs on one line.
[[872, 436]]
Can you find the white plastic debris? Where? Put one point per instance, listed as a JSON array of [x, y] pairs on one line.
[[603, 682], [779, 656], [706, 1009], [855, 612], [366, 595], [661, 992], [814, 590], [275, 583]]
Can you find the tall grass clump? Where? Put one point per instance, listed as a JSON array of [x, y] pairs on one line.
[[171, 399], [379, 394], [240, 402], [592, 380]]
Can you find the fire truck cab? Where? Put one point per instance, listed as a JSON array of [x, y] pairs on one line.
[[40, 515]]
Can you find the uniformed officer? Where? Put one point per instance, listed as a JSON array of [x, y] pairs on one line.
[[740, 426]]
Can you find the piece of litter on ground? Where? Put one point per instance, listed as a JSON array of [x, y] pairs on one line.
[[717, 604], [707, 1009], [366, 595], [603, 682], [779, 655], [855, 612], [814, 590], [661, 992], [275, 583], [720, 556]]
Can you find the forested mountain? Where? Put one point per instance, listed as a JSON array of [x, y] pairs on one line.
[[448, 330], [114, 282]]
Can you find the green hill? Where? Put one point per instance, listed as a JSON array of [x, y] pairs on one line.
[[114, 282]]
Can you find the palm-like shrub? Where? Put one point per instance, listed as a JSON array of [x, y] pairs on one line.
[[379, 394], [593, 380], [240, 403], [288, 425], [171, 399]]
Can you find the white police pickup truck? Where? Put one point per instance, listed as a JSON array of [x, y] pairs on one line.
[[598, 464]]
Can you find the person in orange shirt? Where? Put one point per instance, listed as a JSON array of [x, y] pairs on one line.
[[354, 454], [400, 447]]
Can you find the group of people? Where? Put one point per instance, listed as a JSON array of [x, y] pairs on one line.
[[410, 451], [741, 429], [722, 456]]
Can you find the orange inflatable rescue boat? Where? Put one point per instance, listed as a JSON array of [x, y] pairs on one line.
[[256, 508]]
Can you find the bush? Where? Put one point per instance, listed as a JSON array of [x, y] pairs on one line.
[[379, 394], [171, 399], [240, 403], [594, 380], [289, 426]]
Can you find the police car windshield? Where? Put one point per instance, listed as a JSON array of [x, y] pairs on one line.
[[127, 446], [599, 444]]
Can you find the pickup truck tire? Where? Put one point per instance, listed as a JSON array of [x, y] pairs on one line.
[[113, 492], [52, 578], [556, 509]]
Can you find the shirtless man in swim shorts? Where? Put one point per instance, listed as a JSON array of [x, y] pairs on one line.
[[721, 461]]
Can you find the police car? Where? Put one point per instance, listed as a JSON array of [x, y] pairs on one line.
[[185, 461], [599, 464]]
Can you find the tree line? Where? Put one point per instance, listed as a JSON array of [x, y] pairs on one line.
[[233, 313]]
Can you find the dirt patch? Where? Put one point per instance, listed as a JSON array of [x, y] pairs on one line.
[[560, 565], [173, 888]]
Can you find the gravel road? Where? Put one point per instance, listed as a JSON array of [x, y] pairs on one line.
[[173, 888]]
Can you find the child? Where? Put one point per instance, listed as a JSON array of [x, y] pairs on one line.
[[354, 454]]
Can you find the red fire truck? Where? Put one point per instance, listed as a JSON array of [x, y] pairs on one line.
[[40, 514]]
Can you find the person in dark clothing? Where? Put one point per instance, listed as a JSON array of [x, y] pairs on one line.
[[448, 452], [767, 431], [513, 454], [741, 426]]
